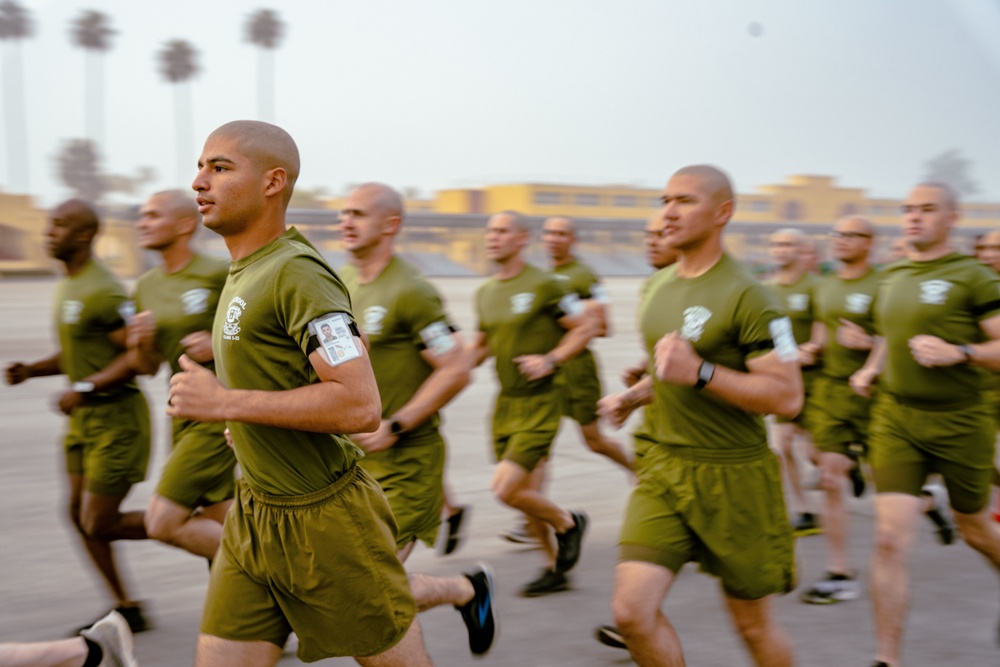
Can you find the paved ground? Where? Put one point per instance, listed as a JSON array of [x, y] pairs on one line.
[[46, 587]]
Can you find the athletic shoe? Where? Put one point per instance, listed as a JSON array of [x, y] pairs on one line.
[[112, 634], [806, 524], [453, 531], [521, 534], [940, 513], [551, 581], [856, 475], [479, 613], [835, 588], [610, 636], [571, 543], [133, 616], [879, 663]]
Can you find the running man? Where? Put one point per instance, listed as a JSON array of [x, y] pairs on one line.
[[938, 317], [420, 364], [709, 487], [845, 303], [107, 441], [176, 303], [659, 255], [583, 386], [309, 545], [533, 325], [796, 287]]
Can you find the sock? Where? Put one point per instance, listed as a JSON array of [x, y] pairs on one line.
[[94, 654]]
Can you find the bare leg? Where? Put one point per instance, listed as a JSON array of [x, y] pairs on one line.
[[981, 533], [605, 446], [834, 469], [511, 486], [214, 651], [98, 549], [429, 592], [176, 525], [640, 589], [760, 631], [59, 653], [409, 652], [896, 516], [785, 440]]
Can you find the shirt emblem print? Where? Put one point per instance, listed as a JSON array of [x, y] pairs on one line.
[[71, 311], [231, 329], [373, 319], [195, 300], [857, 303], [521, 303], [934, 292], [797, 302], [695, 318]]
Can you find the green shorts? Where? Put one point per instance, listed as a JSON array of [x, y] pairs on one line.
[[642, 443], [908, 443], [411, 473], [728, 516], [525, 426], [838, 417], [108, 444], [200, 469], [322, 565], [583, 388]]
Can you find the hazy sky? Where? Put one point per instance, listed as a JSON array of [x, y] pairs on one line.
[[450, 93]]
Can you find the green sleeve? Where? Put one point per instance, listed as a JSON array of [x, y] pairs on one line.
[[306, 290]]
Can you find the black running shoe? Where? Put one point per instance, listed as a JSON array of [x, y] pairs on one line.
[[551, 581], [806, 524], [479, 613], [133, 616], [453, 531], [610, 636], [570, 543], [857, 480], [940, 513]]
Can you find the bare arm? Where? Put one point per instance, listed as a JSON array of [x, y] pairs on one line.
[[450, 376], [478, 350], [932, 351], [809, 351], [580, 328], [863, 379], [18, 372], [140, 340], [616, 408], [345, 400], [115, 373], [770, 385]]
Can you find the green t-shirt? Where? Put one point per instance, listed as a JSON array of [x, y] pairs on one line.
[[798, 299], [848, 299], [182, 302], [947, 298], [261, 340], [582, 280], [728, 317], [520, 315], [402, 314], [88, 307]]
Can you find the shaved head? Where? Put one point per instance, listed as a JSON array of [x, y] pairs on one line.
[[516, 218], [178, 203], [714, 181], [800, 237], [560, 223], [268, 147], [948, 195], [78, 214], [855, 223], [385, 200]]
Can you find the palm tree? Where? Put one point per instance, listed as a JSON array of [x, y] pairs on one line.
[[178, 65], [265, 29], [15, 24], [92, 32]]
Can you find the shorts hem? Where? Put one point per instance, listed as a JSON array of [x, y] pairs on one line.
[[644, 554]]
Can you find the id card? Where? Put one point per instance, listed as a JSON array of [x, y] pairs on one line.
[[333, 332]]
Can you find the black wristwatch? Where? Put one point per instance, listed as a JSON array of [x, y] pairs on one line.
[[396, 428], [968, 352], [705, 373]]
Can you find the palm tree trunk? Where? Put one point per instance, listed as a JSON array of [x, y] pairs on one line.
[[184, 119], [265, 84], [94, 95], [17, 130]]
